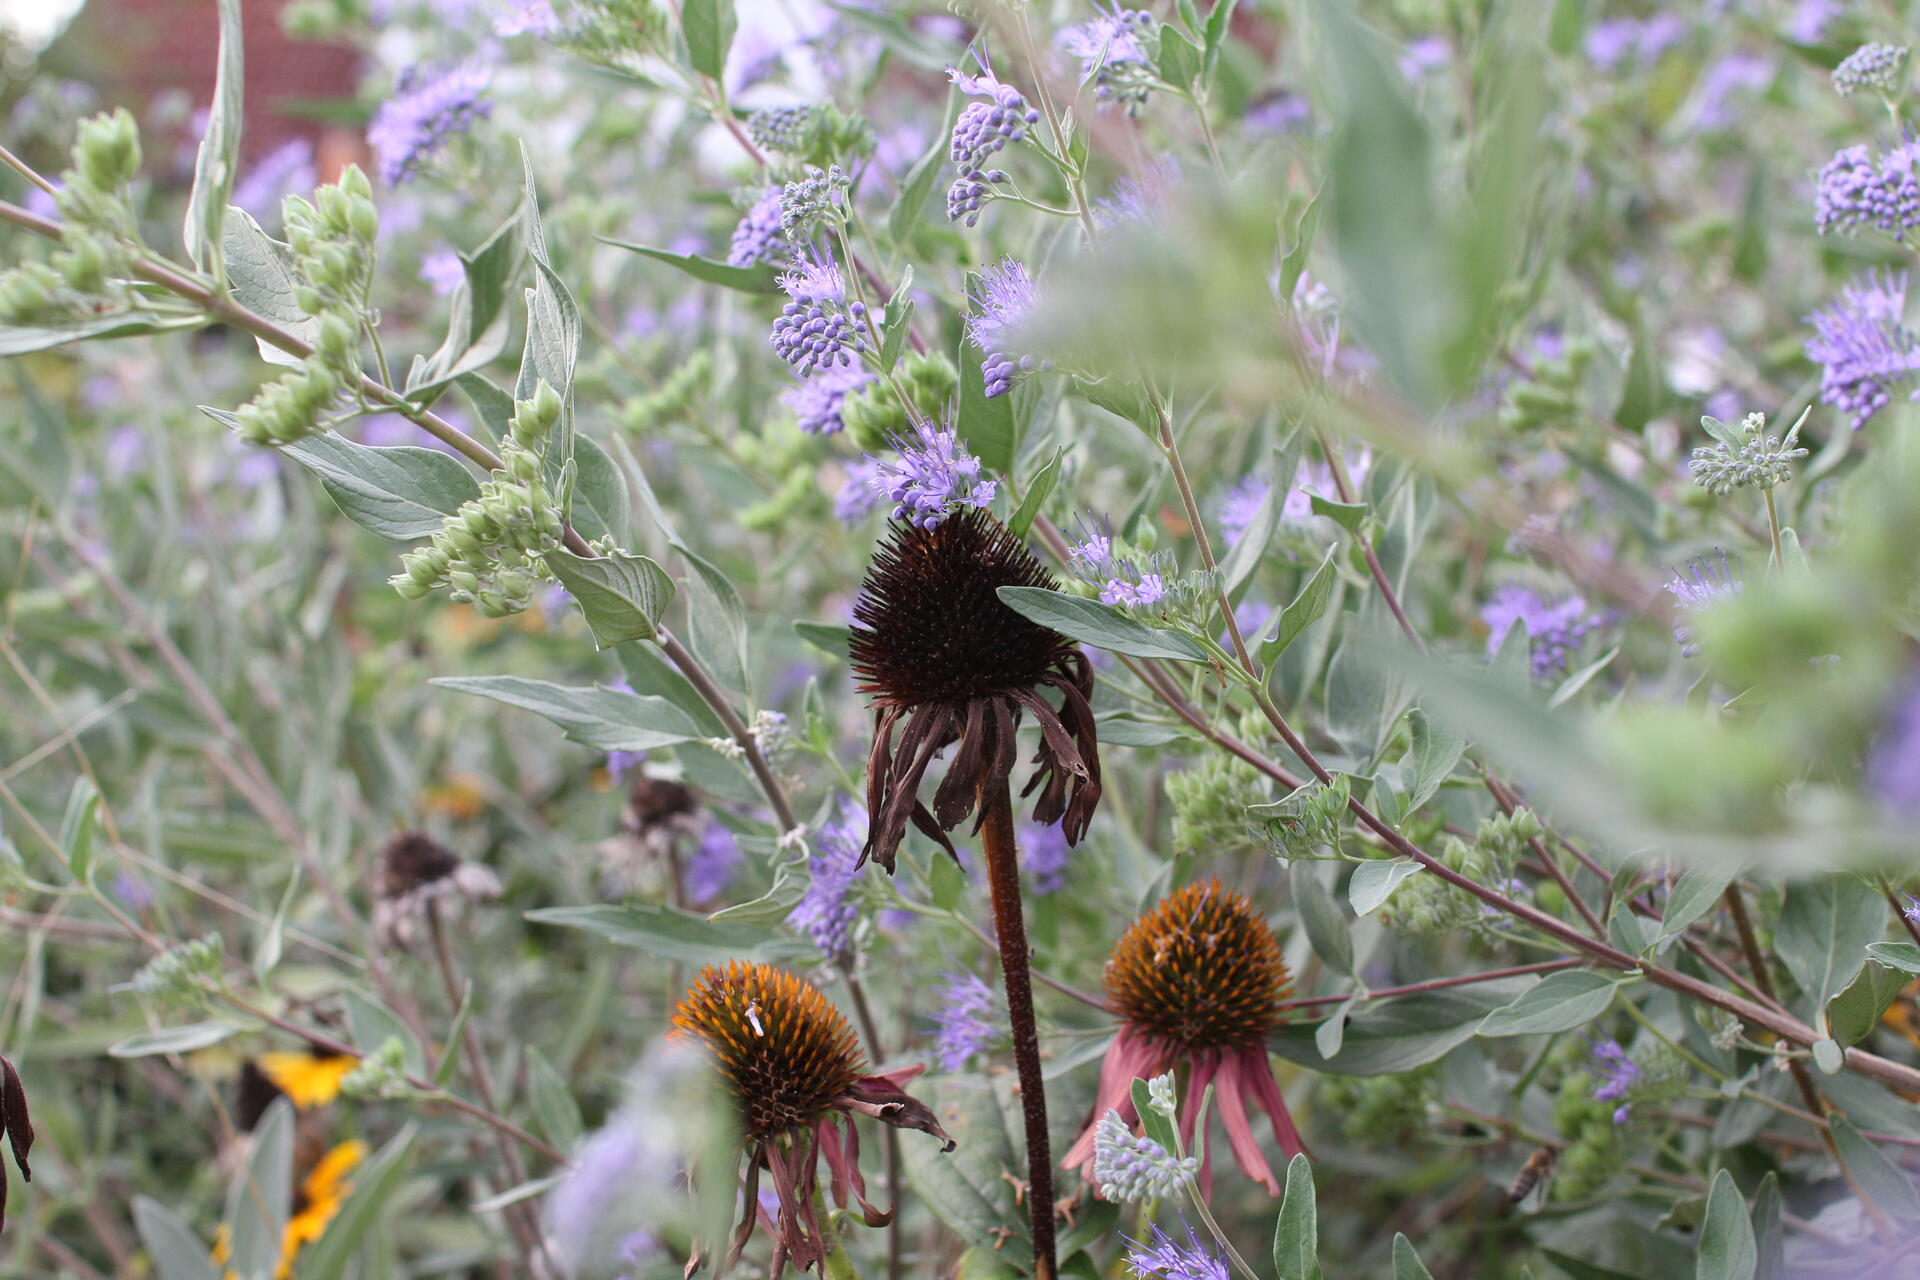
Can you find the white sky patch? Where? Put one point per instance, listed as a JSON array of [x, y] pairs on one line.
[[34, 23]]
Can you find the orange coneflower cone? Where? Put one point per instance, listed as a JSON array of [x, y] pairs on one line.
[[795, 1071], [1198, 982]]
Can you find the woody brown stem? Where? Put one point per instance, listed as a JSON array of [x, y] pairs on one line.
[[1009, 924]]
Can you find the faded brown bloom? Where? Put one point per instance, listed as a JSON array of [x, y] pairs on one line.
[[946, 662]]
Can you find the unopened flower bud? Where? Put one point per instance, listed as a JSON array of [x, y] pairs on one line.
[[107, 150]]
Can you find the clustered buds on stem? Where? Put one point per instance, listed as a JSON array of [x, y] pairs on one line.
[[489, 551], [331, 244], [1757, 461], [86, 278]]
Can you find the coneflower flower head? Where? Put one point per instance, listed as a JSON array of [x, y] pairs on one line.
[[1199, 980], [1860, 339], [791, 1063], [945, 661], [1004, 297], [1164, 1258], [818, 328], [427, 107], [417, 875], [758, 237], [1872, 68], [932, 477]]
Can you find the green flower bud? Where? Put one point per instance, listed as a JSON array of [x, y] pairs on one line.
[[364, 219], [354, 182], [107, 150], [337, 341]]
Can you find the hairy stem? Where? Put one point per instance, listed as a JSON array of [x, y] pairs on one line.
[[1003, 880]]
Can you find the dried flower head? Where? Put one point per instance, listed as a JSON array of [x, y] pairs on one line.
[[416, 875], [1198, 980], [795, 1071], [945, 662]]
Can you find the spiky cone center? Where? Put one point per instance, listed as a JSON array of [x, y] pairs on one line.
[[930, 623], [1202, 970], [785, 1052]]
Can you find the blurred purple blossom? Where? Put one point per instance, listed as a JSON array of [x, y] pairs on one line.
[[286, 170], [426, 108], [442, 271], [1554, 627], [711, 863], [1735, 74], [1046, 852], [1003, 298], [816, 401], [961, 1025], [1860, 339], [1893, 758], [823, 913]]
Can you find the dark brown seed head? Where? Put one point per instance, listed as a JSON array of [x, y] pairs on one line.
[[655, 802], [931, 628], [1201, 969], [785, 1052], [254, 1094], [412, 860]]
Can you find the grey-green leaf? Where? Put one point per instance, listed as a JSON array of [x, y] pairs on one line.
[[1903, 956], [1304, 610], [260, 1195], [1406, 1262], [1296, 1243], [1373, 882], [1727, 1250], [397, 491], [214, 165], [1558, 1002], [708, 26], [1100, 625], [178, 1254], [1879, 1179], [1825, 926], [671, 934], [1326, 927], [198, 1035], [621, 594], [609, 719], [756, 279], [553, 1103]]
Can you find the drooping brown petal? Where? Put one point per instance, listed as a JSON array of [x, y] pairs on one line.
[[843, 1161], [19, 1126], [881, 1097]]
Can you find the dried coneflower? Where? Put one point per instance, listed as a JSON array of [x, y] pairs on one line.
[[18, 1126], [948, 664], [417, 876], [1198, 982], [794, 1069]]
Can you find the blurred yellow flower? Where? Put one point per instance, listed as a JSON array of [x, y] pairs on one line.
[[309, 1080]]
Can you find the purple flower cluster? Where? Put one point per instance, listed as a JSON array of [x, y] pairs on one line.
[[1705, 583], [816, 402], [1619, 1074], [1241, 503], [962, 1027], [1112, 50], [933, 477], [1164, 1257], [818, 328], [1554, 627], [1864, 346], [1005, 297], [527, 17], [1610, 42], [1046, 852], [1121, 580], [982, 130], [859, 492], [427, 107], [1858, 189], [711, 864], [823, 913], [1893, 760], [286, 170], [758, 237]]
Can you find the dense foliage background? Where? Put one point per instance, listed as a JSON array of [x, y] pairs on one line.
[[1345, 364]]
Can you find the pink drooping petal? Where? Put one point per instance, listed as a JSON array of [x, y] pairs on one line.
[[1131, 1056], [1205, 1066], [838, 1158], [1229, 1089], [1260, 1075]]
